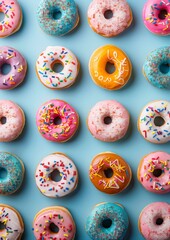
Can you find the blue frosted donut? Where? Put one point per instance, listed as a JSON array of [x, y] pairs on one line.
[[65, 9], [156, 67], [107, 221], [13, 173]]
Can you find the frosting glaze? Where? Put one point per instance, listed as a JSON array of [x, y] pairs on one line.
[[46, 61], [68, 173], [13, 223], [146, 122], [15, 173], [59, 216], [147, 169], [121, 19], [57, 109], [15, 121], [115, 56], [13, 17], [97, 67], [103, 212], [119, 121], [121, 173], [18, 65], [152, 66], [57, 27], [152, 18], [148, 221]]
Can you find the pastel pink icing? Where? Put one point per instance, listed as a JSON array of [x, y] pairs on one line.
[[108, 132], [57, 109], [151, 16], [15, 121], [147, 221], [122, 16], [150, 163], [68, 173], [18, 65], [60, 217], [13, 17]]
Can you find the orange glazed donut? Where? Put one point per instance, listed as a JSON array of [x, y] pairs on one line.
[[97, 67], [109, 173]]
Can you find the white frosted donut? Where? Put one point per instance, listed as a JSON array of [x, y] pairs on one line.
[[154, 122], [68, 173], [46, 61]]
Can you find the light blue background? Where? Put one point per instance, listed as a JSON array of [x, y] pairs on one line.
[[137, 42]]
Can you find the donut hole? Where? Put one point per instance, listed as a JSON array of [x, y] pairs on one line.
[[157, 172], [159, 221], [159, 121], [107, 223], [56, 14], [164, 68], [108, 172], [57, 120], [57, 67], [5, 68], [162, 14], [110, 68], [2, 16], [3, 173], [107, 120], [2, 226], [53, 228], [56, 176], [3, 120], [108, 14]]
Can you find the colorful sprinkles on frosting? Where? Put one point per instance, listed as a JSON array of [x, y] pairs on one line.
[[51, 56], [156, 182], [9, 11], [154, 12], [67, 170]]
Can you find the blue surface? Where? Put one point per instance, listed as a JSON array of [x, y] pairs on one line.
[[137, 42]]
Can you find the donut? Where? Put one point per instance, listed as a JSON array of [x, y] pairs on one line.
[[12, 17], [154, 122], [13, 169], [153, 172], [154, 221], [156, 16], [109, 173], [154, 68], [54, 223], [18, 66], [57, 121], [11, 220], [12, 121], [98, 67], [57, 17], [108, 121], [46, 62], [67, 171], [107, 221], [109, 18]]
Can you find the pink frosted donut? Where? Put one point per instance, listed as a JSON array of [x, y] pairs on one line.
[[13, 17], [156, 16], [49, 219], [18, 65], [12, 121], [57, 121], [108, 121], [121, 17], [154, 221], [153, 172]]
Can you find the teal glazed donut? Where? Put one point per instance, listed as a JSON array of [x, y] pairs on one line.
[[68, 20], [156, 67], [13, 168], [107, 221]]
